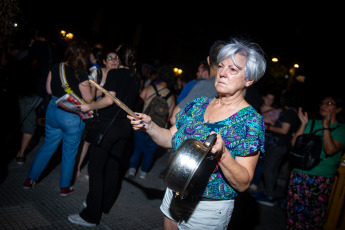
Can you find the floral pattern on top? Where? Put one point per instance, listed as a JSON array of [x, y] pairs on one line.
[[243, 134]]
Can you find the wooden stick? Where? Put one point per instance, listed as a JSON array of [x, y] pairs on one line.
[[115, 99]]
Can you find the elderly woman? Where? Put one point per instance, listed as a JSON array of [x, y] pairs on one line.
[[240, 139]]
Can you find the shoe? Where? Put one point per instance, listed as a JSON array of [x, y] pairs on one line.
[[76, 219], [66, 191], [265, 200], [142, 175], [20, 160], [29, 183], [131, 172], [84, 204]]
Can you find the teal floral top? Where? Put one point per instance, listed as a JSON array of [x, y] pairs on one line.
[[243, 133]]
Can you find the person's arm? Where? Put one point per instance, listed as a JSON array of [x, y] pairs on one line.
[[303, 117], [330, 145], [173, 113], [104, 102], [86, 92], [160, 136], [49, 79], [283, 129], [239, 171], [172, 106]]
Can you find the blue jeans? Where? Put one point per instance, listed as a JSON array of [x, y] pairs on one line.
[[143, 146], [59, 126]]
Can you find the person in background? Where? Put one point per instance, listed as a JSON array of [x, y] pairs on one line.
[[62, 125], [278, 146], [237, 150], [152, 77], [202, 88], [96, 58], [203, 73], [144, 146], [105, 158], [110, 61], [270, 114], [42, 55], [310, 190]]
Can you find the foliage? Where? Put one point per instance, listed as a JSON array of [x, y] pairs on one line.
[[8, 12]]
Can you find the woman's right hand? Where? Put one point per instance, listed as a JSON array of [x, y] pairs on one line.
[[302, 116]]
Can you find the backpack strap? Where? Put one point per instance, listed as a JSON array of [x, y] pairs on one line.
[[312, 127], [168, 95], [155, 88]]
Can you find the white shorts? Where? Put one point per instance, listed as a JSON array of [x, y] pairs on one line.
[[197, 214]]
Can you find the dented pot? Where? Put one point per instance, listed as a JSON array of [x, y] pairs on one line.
[[190, 167]]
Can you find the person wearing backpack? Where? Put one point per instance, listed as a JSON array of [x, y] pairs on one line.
[[309, 190], [164, 102]]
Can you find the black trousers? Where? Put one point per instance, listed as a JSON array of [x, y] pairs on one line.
[[104, 171]]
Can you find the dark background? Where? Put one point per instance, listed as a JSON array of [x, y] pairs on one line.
[[173, 33]]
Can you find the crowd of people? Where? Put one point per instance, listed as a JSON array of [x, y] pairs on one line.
[[254, 130]]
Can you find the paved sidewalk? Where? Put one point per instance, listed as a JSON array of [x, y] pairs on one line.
[[137, 206]]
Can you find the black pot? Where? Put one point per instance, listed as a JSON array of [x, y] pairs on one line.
[[191, 167]]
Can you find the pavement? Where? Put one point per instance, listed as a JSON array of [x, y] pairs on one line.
[[136, 207]]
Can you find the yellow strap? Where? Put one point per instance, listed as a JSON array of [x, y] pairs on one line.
[[65, 85]]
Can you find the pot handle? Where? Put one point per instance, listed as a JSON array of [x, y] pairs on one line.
[[210, 140]]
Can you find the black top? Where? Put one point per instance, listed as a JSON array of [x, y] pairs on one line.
[[73, 81], [126, 86], [289, 116], [45, 56]]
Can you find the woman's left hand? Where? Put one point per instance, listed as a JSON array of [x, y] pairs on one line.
[[141, 122], [219, 150]]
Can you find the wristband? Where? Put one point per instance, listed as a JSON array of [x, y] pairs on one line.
[[326, 128]]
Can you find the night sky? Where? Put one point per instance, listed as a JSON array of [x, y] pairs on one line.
[[180, 35]]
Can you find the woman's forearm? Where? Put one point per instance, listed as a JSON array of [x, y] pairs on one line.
[[239, 172]]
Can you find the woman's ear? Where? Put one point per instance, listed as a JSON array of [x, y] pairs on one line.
[[249, 83]]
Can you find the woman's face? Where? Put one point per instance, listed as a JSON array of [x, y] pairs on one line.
[[268, 99], [111, 61], [327, 105], [229, 78]]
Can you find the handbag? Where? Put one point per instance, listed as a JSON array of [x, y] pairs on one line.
[[95, 134], [69, 101], [305, 154]]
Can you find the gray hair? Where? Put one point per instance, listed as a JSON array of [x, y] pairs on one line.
[[256, 63]]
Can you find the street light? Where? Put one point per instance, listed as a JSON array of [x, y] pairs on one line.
[[177, 71], [66, 35]]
